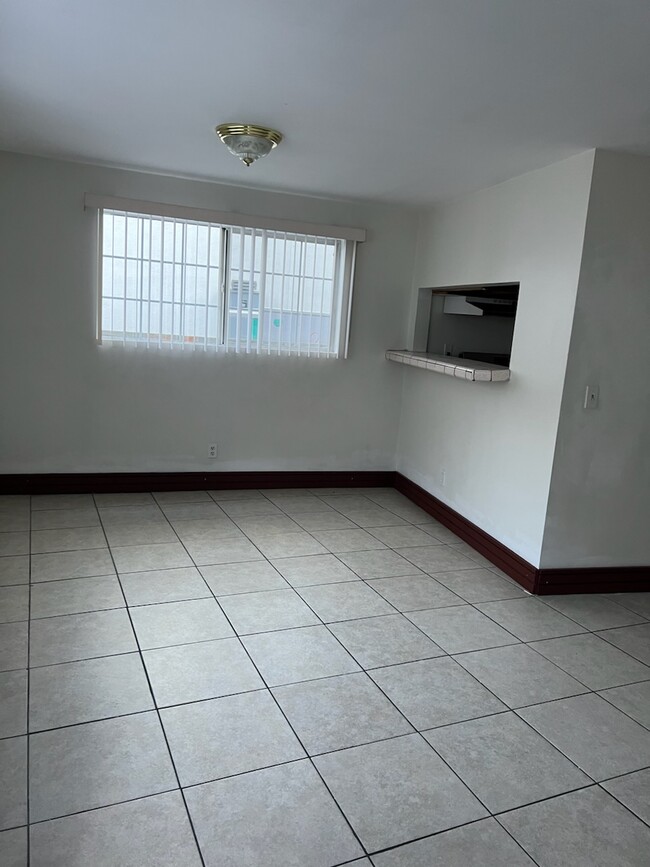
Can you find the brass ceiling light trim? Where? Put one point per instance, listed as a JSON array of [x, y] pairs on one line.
[[247, 141]]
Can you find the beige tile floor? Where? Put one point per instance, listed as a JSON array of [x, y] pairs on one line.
[[305, 678]]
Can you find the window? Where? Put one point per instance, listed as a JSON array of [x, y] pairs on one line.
[[171, 280]]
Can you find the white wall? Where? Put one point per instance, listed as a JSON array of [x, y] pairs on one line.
[[495, 441], [69, 405], [599, 504]]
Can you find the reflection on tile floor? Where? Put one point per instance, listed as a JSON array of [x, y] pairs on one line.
[[305, 678]]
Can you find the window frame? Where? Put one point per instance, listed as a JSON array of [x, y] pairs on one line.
[[343, 278]]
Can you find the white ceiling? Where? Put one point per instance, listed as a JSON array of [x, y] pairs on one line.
[[399, 100]]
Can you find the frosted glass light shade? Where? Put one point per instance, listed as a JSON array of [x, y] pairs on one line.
[[247, 141]]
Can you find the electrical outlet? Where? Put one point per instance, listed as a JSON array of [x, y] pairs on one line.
[[212, 450], [443, 478]]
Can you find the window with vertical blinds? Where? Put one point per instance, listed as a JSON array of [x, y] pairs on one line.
[[177, 282]]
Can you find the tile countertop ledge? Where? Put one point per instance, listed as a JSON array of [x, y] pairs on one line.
[[462, 368]]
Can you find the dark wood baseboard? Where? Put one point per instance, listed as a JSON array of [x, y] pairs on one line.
[[539, 581], [104, 483], [512, 564], [542, 582]]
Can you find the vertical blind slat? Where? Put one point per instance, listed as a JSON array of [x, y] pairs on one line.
[[289, 290]]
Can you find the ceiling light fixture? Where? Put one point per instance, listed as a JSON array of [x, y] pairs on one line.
[[247, 141]]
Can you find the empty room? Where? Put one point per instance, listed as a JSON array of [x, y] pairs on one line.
[[324, 466]]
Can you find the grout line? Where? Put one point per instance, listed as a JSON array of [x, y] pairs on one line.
[[157, 711], [326, 625]]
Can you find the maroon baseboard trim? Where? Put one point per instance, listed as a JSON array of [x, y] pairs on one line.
[[543, 582], [512, 564], [105, 483]]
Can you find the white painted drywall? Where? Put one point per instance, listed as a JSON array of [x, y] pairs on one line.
[[69, 405], [495, 441], [599, 503]]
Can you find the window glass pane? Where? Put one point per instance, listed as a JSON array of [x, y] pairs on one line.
[[162, 285]]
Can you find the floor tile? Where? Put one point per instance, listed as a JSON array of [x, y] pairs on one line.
[[633, 700], [14, 603], [410, 512], [166, 497], [226, 736], [207, 530], [13, 646], [529, 619], [143, 558], [378, 564], [594, 735], [13, 848], [179, 623], [302, 505], [481, 844], [435, 692], [314, 569], [437, 558], [461, 628], [12, 522], [140, 534], [519, 676], [114, 516], [75, 596], [385, 640], [259, 526], [582, 829], [348, 601], [223, 551], [79, 539], [298, 654], [135, 498], [97, 764], [639, 603], [592, 661], [63, 501], [80, 636], [244, 508], [13, 782], [634, 640], [401, 537], [504, 762], [14, 570], [62, 519], [340, 541], [632, 790], [164, 585], [284, 812], [330, 520], [245, 494], [149, 831], [480, 585], [374, 516], [394, 791], [290, 545], [348, 502], [247, 577], [415, 592], [438, 531], [337, 712], [13, 703], [192, 511], [192, 672], [92, 689], [12, 544], [593, 611], [72, 564], [266, 611]]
